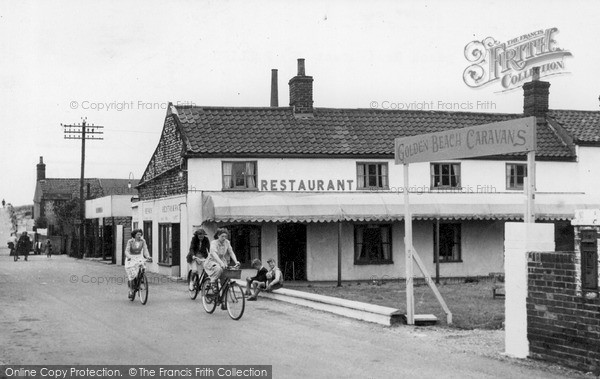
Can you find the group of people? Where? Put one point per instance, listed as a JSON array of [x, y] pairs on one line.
[[267, 280], [211, 256], [22, 246], [214, 256]]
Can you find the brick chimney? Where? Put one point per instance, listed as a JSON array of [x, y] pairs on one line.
[[301, 91], [536, 94], [274, 90], [41, 170]]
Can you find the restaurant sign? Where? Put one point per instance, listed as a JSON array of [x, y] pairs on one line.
[[513, 136]]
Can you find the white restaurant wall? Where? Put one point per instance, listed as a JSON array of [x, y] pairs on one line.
[[589, 168], [476, 175], [481, 247], [166, 210]]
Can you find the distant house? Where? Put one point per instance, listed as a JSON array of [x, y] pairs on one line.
[[51, 192]]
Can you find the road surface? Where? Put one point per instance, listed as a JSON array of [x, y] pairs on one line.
[[67, 311]]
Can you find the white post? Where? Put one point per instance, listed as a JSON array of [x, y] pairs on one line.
[[410, 300], [520, 238]]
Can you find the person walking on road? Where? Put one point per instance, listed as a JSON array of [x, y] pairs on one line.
[[48, 248], [12, 245], [24, 245]]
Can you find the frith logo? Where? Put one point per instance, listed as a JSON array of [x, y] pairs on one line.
[[510, 63]]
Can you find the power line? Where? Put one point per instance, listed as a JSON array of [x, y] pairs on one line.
[[83, 132]]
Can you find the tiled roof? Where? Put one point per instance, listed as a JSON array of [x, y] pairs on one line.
[[276, 131], [118, 186], [68, 188], [583, 126]]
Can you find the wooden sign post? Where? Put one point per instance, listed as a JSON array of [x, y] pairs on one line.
[[513, 136]]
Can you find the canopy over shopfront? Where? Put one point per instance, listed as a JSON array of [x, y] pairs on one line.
[[388, 206]]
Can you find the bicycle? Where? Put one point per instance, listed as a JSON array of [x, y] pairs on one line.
[[229, 294], [140, 284], [198, 280]]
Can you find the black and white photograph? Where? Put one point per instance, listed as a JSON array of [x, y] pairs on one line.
[[300, 189]]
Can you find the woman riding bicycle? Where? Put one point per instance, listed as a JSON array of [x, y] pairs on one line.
[[218, 257], [199, 248], [136, 253]]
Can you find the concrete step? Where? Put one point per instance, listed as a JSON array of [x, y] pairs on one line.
[[347, 308]]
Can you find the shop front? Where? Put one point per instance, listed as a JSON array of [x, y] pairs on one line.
[[110, 219], [163, 222], [360, 236]]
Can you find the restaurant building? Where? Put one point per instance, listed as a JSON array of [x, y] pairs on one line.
[[317, 188]]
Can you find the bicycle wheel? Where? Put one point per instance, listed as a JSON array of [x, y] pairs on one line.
[[236, 301], [208, 298], [143, 288], [193, 279]]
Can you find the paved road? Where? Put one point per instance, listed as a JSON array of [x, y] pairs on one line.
[[51, 312]]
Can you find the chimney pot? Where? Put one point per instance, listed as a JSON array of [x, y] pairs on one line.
[[301, 71], [41, 170], [274, 90], [536, 95], [301, 91]]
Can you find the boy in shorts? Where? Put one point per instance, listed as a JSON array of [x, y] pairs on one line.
[[257, 281]]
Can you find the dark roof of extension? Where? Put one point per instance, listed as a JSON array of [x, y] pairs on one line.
[[68, 188], [266, 131], [582, 126]]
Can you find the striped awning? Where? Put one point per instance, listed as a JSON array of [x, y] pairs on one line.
[[385, 206]]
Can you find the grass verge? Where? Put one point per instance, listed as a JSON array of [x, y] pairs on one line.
[[471, 304]]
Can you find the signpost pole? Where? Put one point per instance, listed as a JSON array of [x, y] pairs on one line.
[[437, 251], [530, 187], [410, 300]]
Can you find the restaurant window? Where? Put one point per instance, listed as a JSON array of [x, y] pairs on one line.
[[372, 244], [239, 175], [148, 235], [445, 175], [449, 242], [168, 244], [515, 174], [245, 242], [372, 175]]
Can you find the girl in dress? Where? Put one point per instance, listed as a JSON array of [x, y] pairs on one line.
[[219, 256], [136, 253]]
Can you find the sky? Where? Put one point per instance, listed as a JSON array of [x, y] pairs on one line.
[[119, 63]]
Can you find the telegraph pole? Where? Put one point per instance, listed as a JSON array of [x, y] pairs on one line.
[[82, 131]]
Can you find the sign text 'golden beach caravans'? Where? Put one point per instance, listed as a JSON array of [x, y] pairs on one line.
[[513, 136]]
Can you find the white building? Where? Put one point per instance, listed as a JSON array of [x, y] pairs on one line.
[[317, 188]]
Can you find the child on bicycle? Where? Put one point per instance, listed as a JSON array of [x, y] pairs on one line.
[[199, 248], [136, 253]]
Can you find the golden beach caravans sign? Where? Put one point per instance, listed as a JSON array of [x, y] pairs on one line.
[[510, 63], [503, 137]]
